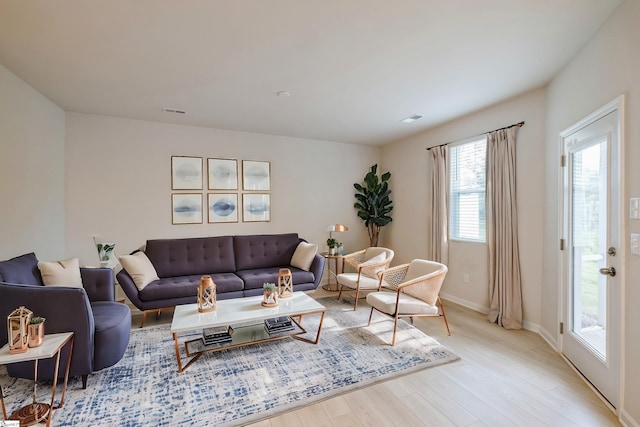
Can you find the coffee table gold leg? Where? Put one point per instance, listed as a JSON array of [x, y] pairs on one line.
[[317, 334], [175, 341]]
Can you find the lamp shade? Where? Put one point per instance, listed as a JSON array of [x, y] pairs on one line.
[[337, 227]]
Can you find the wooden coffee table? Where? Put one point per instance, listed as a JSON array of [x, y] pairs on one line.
[[246, 316]]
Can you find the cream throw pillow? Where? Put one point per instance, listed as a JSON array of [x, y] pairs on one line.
[[373, 272], [61, 273], [139, 268], [303, 256]]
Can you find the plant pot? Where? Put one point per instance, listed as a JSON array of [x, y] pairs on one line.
[[36, 334], [332, 251], [104, 264], [270, 298]]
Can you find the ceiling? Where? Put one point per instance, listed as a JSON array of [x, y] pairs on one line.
[[353, 68]]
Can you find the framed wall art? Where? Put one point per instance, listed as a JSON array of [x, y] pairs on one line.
[[222, 207], [223, 174], [256, 207], [186, 208], [186, 173], [256, 176]]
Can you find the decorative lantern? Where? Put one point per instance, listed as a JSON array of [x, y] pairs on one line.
[[285, 283], [206, 294], [18, 330]]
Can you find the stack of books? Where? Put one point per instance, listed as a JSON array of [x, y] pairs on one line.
[[278, 325], [217, 335]]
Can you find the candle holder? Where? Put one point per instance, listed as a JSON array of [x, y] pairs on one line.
[[206, 294], [285, 283], [18, 331]]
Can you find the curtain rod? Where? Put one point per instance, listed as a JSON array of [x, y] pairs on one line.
[[520, 124]]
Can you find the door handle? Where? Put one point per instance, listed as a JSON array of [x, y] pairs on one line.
[[608, 271]]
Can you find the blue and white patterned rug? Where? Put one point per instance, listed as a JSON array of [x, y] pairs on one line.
[[241, 385]]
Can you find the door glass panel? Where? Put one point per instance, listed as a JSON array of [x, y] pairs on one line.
[[589, 239]]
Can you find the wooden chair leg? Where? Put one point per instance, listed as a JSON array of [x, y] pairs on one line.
[[339, 291], [395, 327], [355, 304], [144, 317], [370, 317], [444, 316]]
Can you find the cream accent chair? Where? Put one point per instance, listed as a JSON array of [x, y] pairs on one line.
[[367, 264], [410, 290]]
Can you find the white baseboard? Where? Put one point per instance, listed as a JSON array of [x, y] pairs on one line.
[[549, 339], [464, 303], [627, 420], [529, 326]]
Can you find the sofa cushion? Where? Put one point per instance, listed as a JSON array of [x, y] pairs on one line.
[[187, 286], [61, 273], [254, 279], [139, 268], [303, 256], [186, 257], [264, 250], [22, 269]]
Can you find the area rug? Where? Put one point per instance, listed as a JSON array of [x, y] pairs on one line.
[[242, 385]]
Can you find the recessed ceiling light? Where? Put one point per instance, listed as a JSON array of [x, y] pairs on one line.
[[173, 110], [283, 93], [412, 118]]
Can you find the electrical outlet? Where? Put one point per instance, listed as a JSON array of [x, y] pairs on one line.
[[465, 277], [634, 208], [635, 244]]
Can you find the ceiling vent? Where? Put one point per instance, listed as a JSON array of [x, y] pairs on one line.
[[173, 110], [411, 118]]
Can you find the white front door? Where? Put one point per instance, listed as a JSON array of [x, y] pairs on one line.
[[593, 249]]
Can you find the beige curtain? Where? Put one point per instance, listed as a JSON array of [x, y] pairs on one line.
[[505, 287], [439, 243]]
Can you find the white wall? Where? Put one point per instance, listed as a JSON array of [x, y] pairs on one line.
[[31, 171], [407, 161], [608, 66], [118, 181]]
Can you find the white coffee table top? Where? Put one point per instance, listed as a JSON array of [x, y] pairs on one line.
[[241, 310]]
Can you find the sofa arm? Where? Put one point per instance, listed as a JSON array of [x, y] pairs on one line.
[[129, 287], [317, 268], [99, 284], [65, 310]]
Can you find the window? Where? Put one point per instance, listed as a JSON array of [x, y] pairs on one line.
[[467, 191]]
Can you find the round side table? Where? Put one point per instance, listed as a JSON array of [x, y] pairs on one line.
[[334, 273]]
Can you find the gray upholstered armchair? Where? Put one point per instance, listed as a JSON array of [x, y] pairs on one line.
[[101, 326]]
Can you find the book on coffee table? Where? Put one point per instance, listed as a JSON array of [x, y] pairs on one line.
[[217, 331], [278, 325]]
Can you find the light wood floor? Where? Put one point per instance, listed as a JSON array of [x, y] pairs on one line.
[[505, 378]]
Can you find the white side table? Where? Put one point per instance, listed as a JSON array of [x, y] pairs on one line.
[[51, 346]]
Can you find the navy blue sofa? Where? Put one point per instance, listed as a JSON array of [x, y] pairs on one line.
[[239, 266], [100, 325]]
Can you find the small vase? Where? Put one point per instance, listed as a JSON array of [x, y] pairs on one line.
[[270, 298], [36, 334]]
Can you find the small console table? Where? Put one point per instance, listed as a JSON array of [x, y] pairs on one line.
[[51, 346]]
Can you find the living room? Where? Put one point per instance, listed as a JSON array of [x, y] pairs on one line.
[[71, 174]]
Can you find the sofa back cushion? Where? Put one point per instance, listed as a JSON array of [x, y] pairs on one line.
[[186, 257], [264, 250], [22, 269]]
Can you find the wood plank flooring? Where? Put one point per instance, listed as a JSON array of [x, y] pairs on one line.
[[505, 378]]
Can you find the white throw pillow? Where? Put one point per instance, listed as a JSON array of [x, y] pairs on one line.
[[303, 256], [61, 273], [373, 272], [139, 268]]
